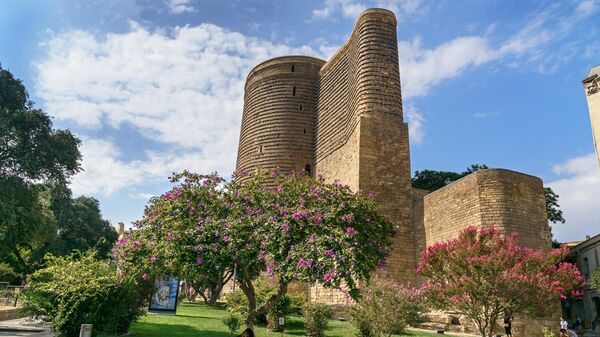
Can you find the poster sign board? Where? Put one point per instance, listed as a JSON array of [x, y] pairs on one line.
[[164, 298]]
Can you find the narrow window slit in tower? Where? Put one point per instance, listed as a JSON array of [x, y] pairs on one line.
[[294, 91], [304, 130], [292, 68], [300, 107], [307, 169]]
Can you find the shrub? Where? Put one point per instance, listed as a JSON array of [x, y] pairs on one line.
[[237, 303], [595, 279], [74, 290], [548, 333], [297, 302], [386, 308], [316, 318], [232, 322], [8, 274]]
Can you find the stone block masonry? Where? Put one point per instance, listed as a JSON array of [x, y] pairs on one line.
[[343, 120], [511, 201]]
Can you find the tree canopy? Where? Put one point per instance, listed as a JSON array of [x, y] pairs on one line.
[[37, 212], [483, 275], [289, 226]]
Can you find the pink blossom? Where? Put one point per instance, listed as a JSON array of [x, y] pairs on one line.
[[225, 238], [199, 261], [329, 252], [121, 276], [170, 234], [327, 277], [153, 259], [350, 230], [145, 276], [137, 243], [285, 226]]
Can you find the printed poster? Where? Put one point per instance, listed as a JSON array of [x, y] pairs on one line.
[[164, 297]]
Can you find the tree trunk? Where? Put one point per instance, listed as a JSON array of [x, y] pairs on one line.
[[21, 261], [248, 290]]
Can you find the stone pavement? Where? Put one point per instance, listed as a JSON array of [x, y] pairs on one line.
[[447, 332], [24, 327]]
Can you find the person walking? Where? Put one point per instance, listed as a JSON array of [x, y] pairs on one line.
[[508, 325], [578, 323], [564, 325]]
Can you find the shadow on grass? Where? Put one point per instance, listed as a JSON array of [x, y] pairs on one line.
[[295, 328], [198, 316], [175, 330]]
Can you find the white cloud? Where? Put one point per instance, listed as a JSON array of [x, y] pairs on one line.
[[416, 123], [483, 115], [421, 69], [180, 6], [351, 9], [105, 171], [183, 88], [578, 187]]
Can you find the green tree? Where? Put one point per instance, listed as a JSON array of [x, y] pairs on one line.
[[80, 225], [292, 227], [32, 153], [433, 180]]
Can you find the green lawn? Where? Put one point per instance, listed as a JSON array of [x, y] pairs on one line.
[[198, 319]]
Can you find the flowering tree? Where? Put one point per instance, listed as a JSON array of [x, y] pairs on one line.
[[290, 226], [183, 233], [483, 274]]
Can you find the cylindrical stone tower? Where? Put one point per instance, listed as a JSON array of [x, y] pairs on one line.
[[278, 123]]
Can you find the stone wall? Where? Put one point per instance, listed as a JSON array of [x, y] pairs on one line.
[[279, 114], [361, 138], [511, 201]]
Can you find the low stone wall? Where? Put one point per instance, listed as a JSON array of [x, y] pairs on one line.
[[455, 322], [8, 313]]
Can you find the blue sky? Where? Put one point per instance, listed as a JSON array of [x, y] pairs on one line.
[[153, 87]]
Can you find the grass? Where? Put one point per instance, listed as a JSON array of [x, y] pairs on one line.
[[198, 319]]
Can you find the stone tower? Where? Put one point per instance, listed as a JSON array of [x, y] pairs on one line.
[[280, 101], [592, 91], [343, 120], [361, 137]]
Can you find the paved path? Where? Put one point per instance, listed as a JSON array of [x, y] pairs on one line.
[[24, 327], [446, 333]]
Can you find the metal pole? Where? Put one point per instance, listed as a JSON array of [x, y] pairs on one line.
[[234, 274]]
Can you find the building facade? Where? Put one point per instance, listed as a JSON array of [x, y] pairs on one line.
[[591, 85], [586, 255]]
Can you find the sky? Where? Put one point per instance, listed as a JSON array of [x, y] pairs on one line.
[[153, 87]]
